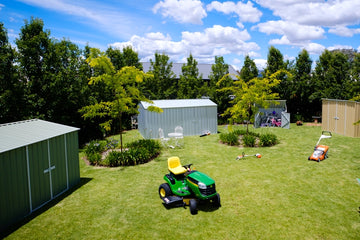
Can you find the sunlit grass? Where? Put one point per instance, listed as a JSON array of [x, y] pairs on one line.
[[279, 196]]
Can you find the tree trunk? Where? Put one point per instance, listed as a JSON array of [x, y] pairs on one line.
[[121, 140]]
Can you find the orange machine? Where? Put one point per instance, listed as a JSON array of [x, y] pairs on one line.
[[321, 151]]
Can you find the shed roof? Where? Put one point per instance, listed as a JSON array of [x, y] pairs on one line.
[[179, 103], [19, 134], [204, 69]]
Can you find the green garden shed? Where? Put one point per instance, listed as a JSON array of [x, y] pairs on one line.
[[38, 161]]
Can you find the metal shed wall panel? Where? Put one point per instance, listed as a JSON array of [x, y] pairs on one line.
[[339, 116], [34, 174], [14, 194], [193, 115]]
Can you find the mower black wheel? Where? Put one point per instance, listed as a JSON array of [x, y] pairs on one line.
[[216, 201], [193, 206], [164, 190]]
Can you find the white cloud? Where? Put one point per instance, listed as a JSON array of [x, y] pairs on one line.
[[315, 12], [314, 48], [338, 46], [245, 11], [183, 11], [292, 32], [261, 64], [203, 46], [344, 31]]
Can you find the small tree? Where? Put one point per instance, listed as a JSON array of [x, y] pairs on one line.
[[123, 85], [247, 95]]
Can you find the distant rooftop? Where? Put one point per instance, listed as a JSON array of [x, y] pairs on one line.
[[204, 69]]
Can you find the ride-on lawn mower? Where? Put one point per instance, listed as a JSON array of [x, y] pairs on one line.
[[187, 187], [321, 151]]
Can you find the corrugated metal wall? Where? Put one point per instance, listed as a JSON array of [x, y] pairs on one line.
[[339, 116], [33, 175], [193, 120]]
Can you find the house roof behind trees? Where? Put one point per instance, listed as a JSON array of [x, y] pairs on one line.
[[204, 70]]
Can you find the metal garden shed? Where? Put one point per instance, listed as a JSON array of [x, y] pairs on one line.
[[194, 115], [38, 161], [339, 116], [265, 116]]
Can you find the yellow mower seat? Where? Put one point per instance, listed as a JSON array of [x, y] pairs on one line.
[[174, 166]]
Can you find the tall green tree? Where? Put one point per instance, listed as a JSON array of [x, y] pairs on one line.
[[249, 70], [33, 47], [219, 70], [276, 63], [332, 77], [126, 57], [12, 101], [67, 75], [190, 82], [164, 84], [302, 87], [355, 76], [249, 95], [122, 83]]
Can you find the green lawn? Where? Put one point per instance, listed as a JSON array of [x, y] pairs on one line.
[[279, 196]]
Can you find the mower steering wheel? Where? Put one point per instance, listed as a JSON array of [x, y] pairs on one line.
[[187, 166]]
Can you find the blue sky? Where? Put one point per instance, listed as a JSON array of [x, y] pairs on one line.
[[232, 29]]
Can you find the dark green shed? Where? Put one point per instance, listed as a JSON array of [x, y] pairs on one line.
[[38, 161]]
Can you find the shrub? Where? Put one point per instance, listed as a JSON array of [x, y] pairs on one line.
[[112, 144], [94, 158], [230, 138], [249, 140], [112, 159], [138, 152], [93, 147], [268, 139]]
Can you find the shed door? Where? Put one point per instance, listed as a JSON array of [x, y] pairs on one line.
[[48, 175], [39, 181], [285, 120], [58, 164]]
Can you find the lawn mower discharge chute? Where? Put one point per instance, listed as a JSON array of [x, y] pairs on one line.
[[187, 187], [321, 151]]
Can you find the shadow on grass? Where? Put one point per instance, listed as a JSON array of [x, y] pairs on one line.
[[12, 228], [203, 207]]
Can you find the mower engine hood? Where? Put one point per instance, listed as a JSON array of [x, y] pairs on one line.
[[197, 177]]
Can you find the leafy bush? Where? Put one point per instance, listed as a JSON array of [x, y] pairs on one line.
[[138, 152], [94, 158], [230, 138], [94, 147], [249, 140], [268, 139], [112, 144]]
